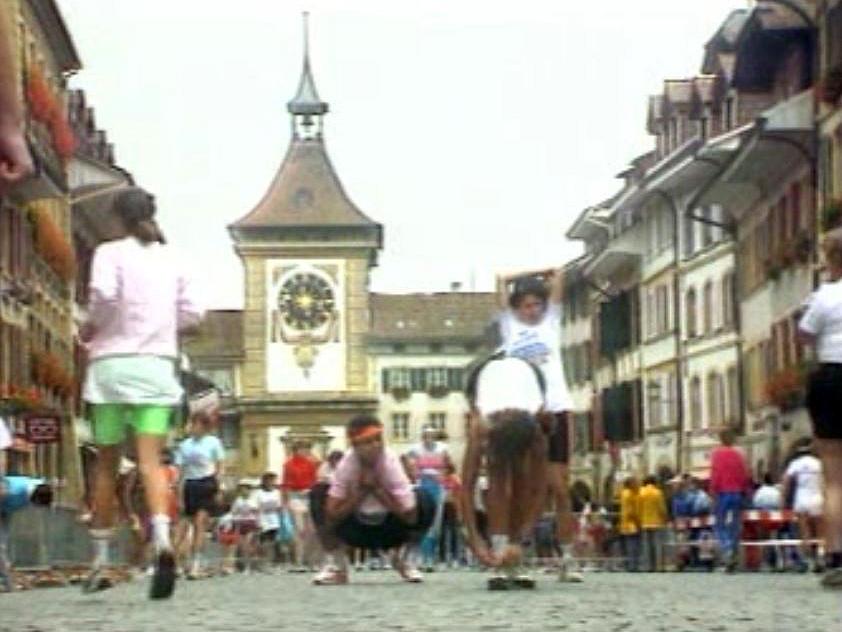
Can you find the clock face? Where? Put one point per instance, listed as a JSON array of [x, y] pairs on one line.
[[306, 301]]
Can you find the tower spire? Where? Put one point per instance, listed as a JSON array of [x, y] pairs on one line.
[[306, 107]]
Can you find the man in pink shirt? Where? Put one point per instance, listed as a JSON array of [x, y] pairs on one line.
[[729, 480], [369, 504]]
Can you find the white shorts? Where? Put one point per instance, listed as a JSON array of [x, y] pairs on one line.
[[810, 505]]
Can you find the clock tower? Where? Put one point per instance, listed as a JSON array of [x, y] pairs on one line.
[[306, 251]]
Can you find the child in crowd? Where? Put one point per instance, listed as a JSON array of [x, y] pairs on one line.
[[16, 493]]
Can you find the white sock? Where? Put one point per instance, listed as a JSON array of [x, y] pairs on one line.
[[161, 532], [197, 562], [567, 551], [101, 539], [499, 544]]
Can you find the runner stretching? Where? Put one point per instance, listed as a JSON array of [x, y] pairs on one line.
[[530, 328], [506, 395], [138, 301]]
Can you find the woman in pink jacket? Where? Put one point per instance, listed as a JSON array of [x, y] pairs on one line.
[[138, 302]]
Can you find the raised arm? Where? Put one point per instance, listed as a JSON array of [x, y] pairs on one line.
[[556, 283]]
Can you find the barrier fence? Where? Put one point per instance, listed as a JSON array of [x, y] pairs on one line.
[[56, 538]]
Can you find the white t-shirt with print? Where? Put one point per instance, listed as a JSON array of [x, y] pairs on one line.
[[540, 345], [806, 474], [823, 319], [269, 507]]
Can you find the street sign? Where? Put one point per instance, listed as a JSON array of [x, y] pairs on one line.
[[43, 429]]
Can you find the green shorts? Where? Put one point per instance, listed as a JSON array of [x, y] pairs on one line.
[[110, 421]]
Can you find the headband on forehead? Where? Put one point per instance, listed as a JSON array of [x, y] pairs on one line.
[[366, 432]]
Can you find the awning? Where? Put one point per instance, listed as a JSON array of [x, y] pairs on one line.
[[779, 142]]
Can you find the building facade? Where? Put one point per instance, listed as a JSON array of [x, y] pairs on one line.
[[37, 260]]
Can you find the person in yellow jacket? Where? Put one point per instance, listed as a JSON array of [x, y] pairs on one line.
[[630, 523], [652, 509]]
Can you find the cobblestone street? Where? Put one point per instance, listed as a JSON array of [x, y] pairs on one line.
[[448, 601]]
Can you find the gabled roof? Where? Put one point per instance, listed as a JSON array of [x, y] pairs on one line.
[[724, 40], [220, 337], [431, 317], [305, 192], [58, 37]]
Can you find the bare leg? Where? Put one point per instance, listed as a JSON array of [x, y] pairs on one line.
[[105, 487], [830, 453]]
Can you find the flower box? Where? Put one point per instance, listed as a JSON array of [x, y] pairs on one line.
[[787, 389], [438, 391], [53, 246], [400, 393], [832, 215]]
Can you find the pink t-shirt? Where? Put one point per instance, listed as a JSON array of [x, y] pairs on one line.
[[390, 474], [138, 300]]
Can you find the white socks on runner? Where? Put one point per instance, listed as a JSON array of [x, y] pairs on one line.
[[161, 532], [102, 546], [499, 544], [566, 552]]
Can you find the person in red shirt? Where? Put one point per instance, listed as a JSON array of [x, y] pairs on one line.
[[729, 481], [299, 474]]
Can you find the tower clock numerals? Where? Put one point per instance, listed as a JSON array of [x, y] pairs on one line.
[[306, 302]]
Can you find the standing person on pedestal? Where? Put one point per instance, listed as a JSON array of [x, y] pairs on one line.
[[530, 328], [300, 473], [821, 326], [729, 482], [139, 300]]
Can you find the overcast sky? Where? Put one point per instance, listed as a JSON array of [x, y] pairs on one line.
[[475, 131]]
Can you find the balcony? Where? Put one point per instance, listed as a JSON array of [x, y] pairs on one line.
[[621, 255]]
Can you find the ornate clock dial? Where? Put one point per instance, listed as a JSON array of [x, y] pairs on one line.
[[306, 301]]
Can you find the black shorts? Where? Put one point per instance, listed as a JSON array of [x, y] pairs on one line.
[[268, 536], [391, 532], [824, 401], [200, 495], [558, 439]]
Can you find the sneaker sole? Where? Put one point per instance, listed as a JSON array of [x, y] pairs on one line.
[[163, 581]]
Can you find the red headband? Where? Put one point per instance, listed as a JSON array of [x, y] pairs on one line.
[[365, 432]]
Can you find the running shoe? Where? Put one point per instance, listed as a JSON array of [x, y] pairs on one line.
[[567, 574], [499, 582], [163, 581], [331, 577], [523, 581], [832, 578], [97, 581]]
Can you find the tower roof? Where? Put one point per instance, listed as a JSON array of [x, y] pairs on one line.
[[306, 100], [305, 192]]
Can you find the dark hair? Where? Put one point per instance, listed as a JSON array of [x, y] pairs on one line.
[[528, 286], [650, 480], [267, 476], [510, 437], [767, 479], [42, 495], [727, 436], [362, 421], [136, 209]]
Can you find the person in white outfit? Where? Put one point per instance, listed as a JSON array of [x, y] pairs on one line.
[[803, 480]]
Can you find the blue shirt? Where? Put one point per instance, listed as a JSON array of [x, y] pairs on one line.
[[197, 457], [16, 492]]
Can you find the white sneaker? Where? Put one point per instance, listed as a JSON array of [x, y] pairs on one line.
[[567, 574]]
